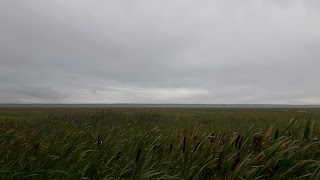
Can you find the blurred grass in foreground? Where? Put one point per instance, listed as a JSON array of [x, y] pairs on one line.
[[163, 143]]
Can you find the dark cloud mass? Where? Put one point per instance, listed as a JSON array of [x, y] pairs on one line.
[[164, 51]]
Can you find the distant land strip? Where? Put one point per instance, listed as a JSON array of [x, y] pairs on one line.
[[166, 105]]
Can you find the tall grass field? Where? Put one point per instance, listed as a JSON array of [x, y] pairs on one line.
[[159, 143]]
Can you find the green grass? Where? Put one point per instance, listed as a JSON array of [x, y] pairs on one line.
[[159, 143]]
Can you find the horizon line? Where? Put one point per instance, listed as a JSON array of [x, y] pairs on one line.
[[162, 104], [145, 105]]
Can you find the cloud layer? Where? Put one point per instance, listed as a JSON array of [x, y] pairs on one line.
[[160, 51]]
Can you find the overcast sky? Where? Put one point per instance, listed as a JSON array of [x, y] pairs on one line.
[[160, 51]]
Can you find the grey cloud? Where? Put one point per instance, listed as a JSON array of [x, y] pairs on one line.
[[36, 94], [40, 92], [150, 51]]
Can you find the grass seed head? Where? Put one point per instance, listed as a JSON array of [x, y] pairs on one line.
[[138, 156], [276, 135], [235, 163]]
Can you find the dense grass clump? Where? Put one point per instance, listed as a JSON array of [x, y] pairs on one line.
[[159, 144]]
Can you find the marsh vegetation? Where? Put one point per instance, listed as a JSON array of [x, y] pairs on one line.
[[159, 143]]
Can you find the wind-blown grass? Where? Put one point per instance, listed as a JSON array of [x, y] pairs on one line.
[[112, 144]]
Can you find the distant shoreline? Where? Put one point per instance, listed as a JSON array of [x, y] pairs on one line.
[[166, 105]]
